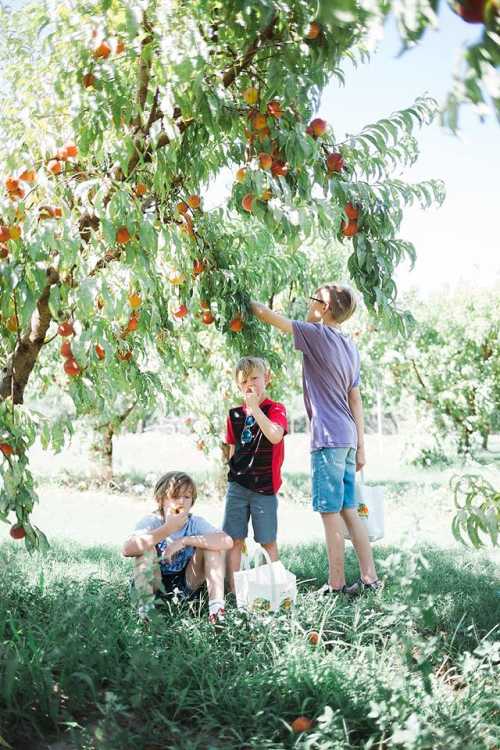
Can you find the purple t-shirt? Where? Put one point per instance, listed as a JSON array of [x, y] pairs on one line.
[[330, 369]]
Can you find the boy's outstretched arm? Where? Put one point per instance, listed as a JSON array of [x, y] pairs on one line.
[[264, 313]]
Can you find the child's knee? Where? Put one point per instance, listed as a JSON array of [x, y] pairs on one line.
[[269, 545]]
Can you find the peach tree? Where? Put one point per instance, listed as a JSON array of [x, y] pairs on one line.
[[120, 273]]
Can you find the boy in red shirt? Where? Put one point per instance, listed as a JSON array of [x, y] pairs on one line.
[[255, 432]]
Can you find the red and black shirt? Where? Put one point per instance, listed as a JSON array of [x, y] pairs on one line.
[[256, 463]]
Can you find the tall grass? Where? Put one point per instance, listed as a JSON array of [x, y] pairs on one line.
[[411, 668]]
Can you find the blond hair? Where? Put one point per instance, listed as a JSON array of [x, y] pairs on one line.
[[172, 484], [247, 364], [341, 301]]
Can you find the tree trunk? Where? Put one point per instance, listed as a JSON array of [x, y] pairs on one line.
[[103, 449]]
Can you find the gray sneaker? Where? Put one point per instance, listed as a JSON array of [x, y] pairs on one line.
[[359, 587]]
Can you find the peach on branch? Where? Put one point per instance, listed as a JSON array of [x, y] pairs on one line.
[[180, 312], [122, 236], [66, 329], [65, 349], [4, 233], [72, 368], [351, 211], [54, 166], [259, 121], [134, 300], [251, 95], [194, 201], [317, 127], [349, 229], [247, 202], [274, 109], [279, 169], [6, 449], [207, 317], [240, 174], [334, 162], [313, 31], [99, 350], [28, 175], [89, 80], [17, 531], [236, 325], [102, 51]]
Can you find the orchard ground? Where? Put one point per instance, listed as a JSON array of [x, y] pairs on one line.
[[419, 504], [414, 668]]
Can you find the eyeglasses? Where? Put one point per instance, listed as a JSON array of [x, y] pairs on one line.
[[321, 301], [246, 433]]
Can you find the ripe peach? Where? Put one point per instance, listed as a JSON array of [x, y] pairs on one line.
[[247, 202], [134, 300], [65, 349], [181, 311], [28, 175], [66, 329], [318, 127], [194, 201], [241, 174], [122, 236], [125, 355], [279, 169], [251, 95], [4, 251], [6, 449], [313, 31], [301, 724], [207, 317], [350, 229], [236, 325], [141, 189], [198, 267], [274, 109], [71, 150], [265, 161], [260, 122], [351, 211], [132, 324], [17, 531], [120, 46], [103, 50], [334, 162], [71, 367], [182, 207], [313, 638], [99, 351], [54, 166], [4, 233], [89, 80], [12, 184]]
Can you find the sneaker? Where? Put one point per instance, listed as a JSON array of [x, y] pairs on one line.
[[360, 586], [327, 590], [217, 618]]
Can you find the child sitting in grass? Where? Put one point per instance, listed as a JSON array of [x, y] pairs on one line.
[[176, 552]]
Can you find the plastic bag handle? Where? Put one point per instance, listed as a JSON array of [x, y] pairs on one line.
[[245, 565]]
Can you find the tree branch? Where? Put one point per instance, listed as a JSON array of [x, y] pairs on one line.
[[229, 76], [15, 374]]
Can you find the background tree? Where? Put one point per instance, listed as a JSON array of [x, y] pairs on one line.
[[124, 114]]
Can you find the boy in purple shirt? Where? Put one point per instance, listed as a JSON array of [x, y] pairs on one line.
[[333, 404]]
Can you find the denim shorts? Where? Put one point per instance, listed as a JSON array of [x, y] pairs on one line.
[[241, 504], [175, 584], [333, 478]]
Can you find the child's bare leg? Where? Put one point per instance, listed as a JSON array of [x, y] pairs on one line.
[[334, 538], [272, 550], [361, 544], [234, 561], [207, 565], [147, 577]]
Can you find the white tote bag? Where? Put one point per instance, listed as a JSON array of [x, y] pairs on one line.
[[266, 587], [370, 509]]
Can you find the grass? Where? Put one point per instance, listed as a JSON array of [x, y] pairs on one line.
[[412, 668]]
